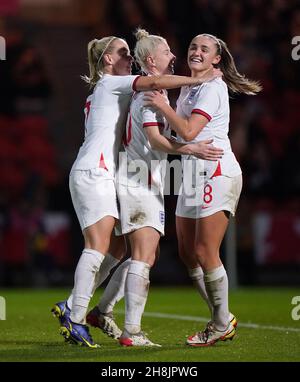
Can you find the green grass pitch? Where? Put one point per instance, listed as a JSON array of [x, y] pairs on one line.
[[266, 330]]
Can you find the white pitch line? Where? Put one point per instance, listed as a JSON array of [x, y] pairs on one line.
[[205, 319]]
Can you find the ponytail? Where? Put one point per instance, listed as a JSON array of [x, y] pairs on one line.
[[96, 49], [235, 81]]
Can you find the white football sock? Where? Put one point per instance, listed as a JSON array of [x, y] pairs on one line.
[[70, 300], [108, 264], [197, 275], [136, 292], [216, 283], [115, 289], [84, 281]]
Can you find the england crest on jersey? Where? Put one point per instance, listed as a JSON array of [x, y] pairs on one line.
[[192, 94]]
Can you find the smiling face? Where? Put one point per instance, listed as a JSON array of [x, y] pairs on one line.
[[202, 54], [162, 60], [119, 58]]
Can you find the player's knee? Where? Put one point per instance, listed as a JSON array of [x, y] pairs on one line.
[[204, 252], [144, 256], [201, 249], [98, 244]]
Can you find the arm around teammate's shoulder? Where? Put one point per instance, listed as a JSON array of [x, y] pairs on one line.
[[144, 83]]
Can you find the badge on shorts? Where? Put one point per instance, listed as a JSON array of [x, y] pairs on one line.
[[162, 217]]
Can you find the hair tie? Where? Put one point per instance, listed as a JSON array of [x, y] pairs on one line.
[[99, 59]]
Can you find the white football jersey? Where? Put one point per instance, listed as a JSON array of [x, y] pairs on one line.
[[105, 117], [136, 143], [211, 100]]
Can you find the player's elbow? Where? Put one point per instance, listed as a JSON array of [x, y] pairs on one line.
[[155, 141], [148, 83], [155, 83], [188, 135], [154, 144]]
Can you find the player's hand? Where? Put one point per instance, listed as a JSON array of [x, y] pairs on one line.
[[155, 99], [211, 74], [205, 150]]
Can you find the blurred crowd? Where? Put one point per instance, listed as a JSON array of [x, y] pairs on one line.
[[264, 130]]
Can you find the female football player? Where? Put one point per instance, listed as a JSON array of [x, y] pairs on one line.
[[202, 214]]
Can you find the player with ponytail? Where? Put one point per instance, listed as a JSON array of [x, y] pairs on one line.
[[203, 211]]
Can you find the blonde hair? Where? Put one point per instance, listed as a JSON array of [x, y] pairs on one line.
[[145, 45], [96, 49], [235, 81]]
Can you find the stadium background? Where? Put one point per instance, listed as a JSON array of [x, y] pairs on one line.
[[41, 129]]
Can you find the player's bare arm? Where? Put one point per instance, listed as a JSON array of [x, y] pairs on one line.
[[171, 81], [144, 83], [188, 129], [203, 149]]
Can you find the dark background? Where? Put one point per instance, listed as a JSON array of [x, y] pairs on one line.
[[41, 129]]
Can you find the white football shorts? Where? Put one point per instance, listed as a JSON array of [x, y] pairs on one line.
[[219, 193], [93, 195], [140, 207]]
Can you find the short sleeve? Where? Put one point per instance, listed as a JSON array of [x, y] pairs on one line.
[[208, 101], [151, 117], [120, 84]]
